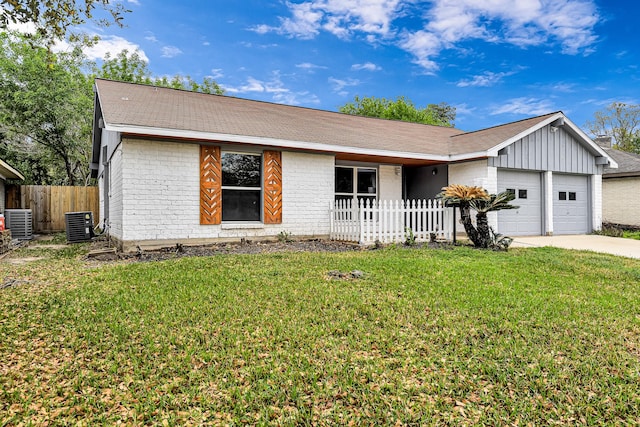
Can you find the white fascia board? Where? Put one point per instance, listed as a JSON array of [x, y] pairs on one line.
[[493, 152], [468, 156], [591, 143], [9, 172], [257, 140]]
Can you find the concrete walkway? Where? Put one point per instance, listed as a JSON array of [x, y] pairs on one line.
[[609, 245]]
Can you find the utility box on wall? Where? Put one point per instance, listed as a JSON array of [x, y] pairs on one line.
[[79, 226]]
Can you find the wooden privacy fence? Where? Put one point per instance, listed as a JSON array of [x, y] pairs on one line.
[[49, 203], [389, 221]]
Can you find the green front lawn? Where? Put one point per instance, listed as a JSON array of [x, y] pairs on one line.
[[454, 337], [631, 234]]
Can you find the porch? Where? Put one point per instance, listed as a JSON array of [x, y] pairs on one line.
[[390, 221]]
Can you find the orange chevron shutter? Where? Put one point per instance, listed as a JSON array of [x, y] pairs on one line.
[[210, 185], [272, 187]]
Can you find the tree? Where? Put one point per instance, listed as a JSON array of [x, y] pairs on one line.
[[130, 67], [45, 110], [476, 198], [621, 122], [401, 109], [52, 18]]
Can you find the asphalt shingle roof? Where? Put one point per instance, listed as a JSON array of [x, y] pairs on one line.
[[485, 139], [128, 104], [628, 164], [148, 106]]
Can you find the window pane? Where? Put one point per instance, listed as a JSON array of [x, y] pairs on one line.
[[562, 195], [522, 194], [344, 180], [572, 196], [240, 205], [366, 181], [240, 170]]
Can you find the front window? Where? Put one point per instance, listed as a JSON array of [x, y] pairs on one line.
[[241, 187], [356, 183]]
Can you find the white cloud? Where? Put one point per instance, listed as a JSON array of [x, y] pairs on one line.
[[170, 51], [151, 37], [464, 109], [296, 98], [305, 22], [339, 17], [609, 101], [569, 23], [113, 45], [216, 73], [25, 28], [205, 43], [368, 66], [424, 46], [486, 79], [524, 106], [274, 87], [309, 66], [339, 85], [557, 87], [565, 24]]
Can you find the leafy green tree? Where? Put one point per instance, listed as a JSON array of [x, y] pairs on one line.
[[476, 198], [45, 110], [401, 109], [53, 18], [621, 122], [130, 67]]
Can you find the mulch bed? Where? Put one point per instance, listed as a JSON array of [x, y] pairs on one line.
[[247, 247]]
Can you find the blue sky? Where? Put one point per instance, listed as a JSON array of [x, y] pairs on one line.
[[496, 61]]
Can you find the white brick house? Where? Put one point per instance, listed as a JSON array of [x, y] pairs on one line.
[[181, 167]]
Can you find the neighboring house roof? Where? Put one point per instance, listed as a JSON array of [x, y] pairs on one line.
[[628, 164], [152, 111], [8, 172]]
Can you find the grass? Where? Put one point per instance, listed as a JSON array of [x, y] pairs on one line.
[[447, 337], [631, 234], [613, 230]]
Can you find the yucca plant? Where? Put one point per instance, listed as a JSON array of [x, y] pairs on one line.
[[467, 198]]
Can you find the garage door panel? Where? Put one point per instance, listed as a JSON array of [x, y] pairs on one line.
[[571, 211], [527, 219]]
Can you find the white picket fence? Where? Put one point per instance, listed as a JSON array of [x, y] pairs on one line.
[[388, 221]]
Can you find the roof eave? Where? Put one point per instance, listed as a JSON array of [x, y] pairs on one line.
[[493, 152], [265, 141], [621, 175], [9, 172]]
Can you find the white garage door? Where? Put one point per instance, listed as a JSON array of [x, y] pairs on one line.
[[527, 220], [571, 211]]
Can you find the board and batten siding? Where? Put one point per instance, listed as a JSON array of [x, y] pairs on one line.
[[544, 150]]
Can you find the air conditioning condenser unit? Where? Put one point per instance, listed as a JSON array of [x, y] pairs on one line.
[[19, 222], [79, 226]]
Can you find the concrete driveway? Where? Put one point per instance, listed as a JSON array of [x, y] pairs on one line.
[[609, 245]]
